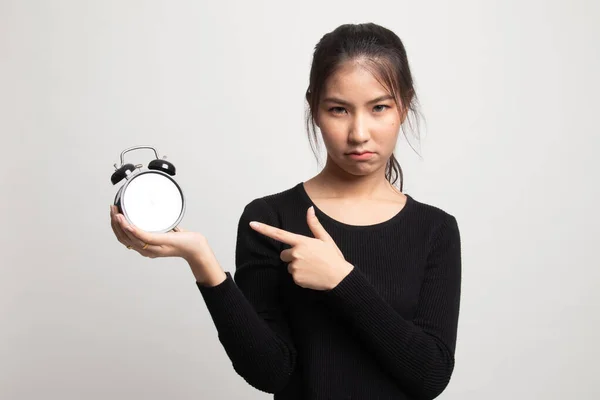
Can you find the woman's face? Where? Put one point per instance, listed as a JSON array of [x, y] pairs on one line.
[[356, 113]]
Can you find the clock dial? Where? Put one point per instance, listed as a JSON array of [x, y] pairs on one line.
[[152, 202]]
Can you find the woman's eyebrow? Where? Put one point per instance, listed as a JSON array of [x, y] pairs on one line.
[[340, 101]]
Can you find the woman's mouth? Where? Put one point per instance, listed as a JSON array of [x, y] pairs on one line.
[[363, 156]]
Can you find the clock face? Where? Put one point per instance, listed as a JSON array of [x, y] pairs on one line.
[[153, 202]]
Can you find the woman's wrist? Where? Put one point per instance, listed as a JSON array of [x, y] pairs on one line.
[[212, 279], [207, 270]]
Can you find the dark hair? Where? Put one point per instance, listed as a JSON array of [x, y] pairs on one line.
[[382, 52]]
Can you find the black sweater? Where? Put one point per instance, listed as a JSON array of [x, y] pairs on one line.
[[386, 331]]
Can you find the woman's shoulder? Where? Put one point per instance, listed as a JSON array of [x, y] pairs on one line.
[[274, 203], [438, 223], [430, 210], [279, 199], [292, 198]]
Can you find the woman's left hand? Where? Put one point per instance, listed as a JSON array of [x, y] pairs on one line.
[[315, 263]]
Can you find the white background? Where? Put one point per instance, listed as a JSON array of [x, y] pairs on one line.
[[509, 90]]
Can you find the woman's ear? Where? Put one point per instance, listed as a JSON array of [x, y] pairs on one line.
[[403, 113], [404, 110], [313, 112]]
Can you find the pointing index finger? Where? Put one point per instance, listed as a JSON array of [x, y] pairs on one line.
[[278, 234]]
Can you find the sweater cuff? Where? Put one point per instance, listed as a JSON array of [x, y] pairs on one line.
[[209, 290], [220, 299], [353, 293]]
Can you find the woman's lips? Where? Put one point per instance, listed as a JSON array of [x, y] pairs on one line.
[[363, 156]]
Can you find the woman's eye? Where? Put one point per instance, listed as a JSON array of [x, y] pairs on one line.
[[382, 105], [336, 108], [340, 110]]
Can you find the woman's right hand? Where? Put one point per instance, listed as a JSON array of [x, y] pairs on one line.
[[191, 246]]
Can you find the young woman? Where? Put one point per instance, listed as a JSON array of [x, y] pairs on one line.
[[349, 288]]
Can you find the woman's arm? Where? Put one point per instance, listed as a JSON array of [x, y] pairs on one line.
[[419, 354], [248, 312]]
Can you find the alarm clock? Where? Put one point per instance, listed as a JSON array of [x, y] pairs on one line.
[[150, 199]]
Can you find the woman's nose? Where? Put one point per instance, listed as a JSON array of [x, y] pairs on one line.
[[359, 131]]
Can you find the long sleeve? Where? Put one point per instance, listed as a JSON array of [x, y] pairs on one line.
[[249, 316], [419, 354]]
